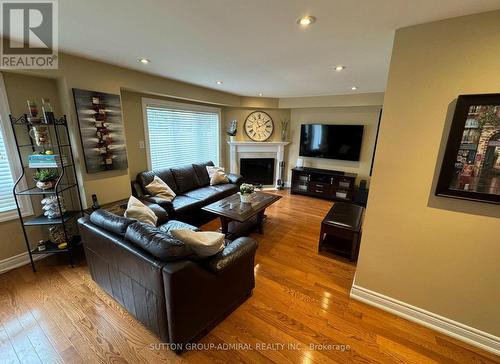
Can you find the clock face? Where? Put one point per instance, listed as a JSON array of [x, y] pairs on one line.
[[259, 126]]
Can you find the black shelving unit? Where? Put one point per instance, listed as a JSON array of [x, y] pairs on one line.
[[67, 182]]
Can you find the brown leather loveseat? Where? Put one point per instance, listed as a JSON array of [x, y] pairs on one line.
[[159, 280]]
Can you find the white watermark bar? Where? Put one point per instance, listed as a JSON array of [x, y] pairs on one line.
[[249, 346]]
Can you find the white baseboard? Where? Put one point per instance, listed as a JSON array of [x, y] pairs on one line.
[[18, 261], [439, 323]]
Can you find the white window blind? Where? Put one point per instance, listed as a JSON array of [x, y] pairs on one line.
[[7, 202], [179, 135]]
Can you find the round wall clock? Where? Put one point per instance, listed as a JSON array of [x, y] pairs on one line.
[[259, 126]]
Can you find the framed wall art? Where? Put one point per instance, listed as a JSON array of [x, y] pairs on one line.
[[471, 163], [101, 130]]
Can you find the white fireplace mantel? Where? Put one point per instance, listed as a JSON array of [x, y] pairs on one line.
[[247, 149]]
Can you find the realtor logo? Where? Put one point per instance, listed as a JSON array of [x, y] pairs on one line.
[[29, 34]]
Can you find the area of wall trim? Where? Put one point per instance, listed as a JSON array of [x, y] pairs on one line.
[[17, 261], [439, 323]]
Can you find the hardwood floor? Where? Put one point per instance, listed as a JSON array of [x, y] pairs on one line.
[[301, 301]]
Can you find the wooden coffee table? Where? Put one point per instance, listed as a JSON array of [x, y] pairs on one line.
[[236, 216]]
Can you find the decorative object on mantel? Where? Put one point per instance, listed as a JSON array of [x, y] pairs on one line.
[[101, 129], [284, 130], [259, 126], [471, 164], [300, 163], [232, 129], [246, 192]]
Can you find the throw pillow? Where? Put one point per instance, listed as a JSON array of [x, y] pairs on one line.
[[217, 175], [160, 189], [137, 210], [203, 243]]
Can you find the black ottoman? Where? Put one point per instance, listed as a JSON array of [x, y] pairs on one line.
[[343, 221]]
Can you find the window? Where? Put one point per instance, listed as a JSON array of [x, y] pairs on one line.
[[178, 134], [9, 165]]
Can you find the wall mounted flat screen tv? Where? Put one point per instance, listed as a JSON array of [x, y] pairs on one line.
[[331, 141]]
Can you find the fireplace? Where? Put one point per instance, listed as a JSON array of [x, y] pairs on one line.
[[257, 170]]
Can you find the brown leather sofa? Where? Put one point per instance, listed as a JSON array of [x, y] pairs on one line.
[[192, 187], [157, 278]]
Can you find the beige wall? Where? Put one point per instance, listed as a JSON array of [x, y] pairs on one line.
[[367, 116], [435, 253], [76, 72]]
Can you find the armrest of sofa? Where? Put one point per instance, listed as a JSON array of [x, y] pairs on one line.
[[160, 211], [136, 189], [231, 253], [234, 178], [197, 298]]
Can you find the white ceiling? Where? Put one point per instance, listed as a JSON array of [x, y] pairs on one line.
[[252, 45]]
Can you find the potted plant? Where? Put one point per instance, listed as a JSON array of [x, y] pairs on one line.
[[246, 191], [232, 129], [46, 178]]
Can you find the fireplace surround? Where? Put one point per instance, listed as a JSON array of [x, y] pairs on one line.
[[249, 149]]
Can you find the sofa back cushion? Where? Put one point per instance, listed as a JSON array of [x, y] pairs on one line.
[[156, 242], [185, 178], [201, 172], [165, 174], [111, 222]]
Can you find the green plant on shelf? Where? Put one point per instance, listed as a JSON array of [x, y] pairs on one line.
[[46, 175]]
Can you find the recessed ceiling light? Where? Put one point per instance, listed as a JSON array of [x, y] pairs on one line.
[[339, 68], [354, 88], [144, 61], [306, 20], [261, 94], [219, 82]]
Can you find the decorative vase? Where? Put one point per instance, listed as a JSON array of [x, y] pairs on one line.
[[246, 198], [283, 135], [45, 185], [232, 138]]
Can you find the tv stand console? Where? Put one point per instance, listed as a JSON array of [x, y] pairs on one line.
[[323, 183]]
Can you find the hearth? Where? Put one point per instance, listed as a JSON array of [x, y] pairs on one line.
[[257, 170]]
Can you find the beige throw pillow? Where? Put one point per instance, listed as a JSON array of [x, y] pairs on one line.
[[217, 175], [160, 189], [137, 210], [203, 243]]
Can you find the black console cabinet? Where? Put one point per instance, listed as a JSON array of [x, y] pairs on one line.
[[323, 183]]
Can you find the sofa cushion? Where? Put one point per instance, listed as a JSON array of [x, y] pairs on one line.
[[206, 194], [185, 178], [145, 178], [111, 222], [174, 224], [227, 189], [182, 204], [156, 242], [201, 172]]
